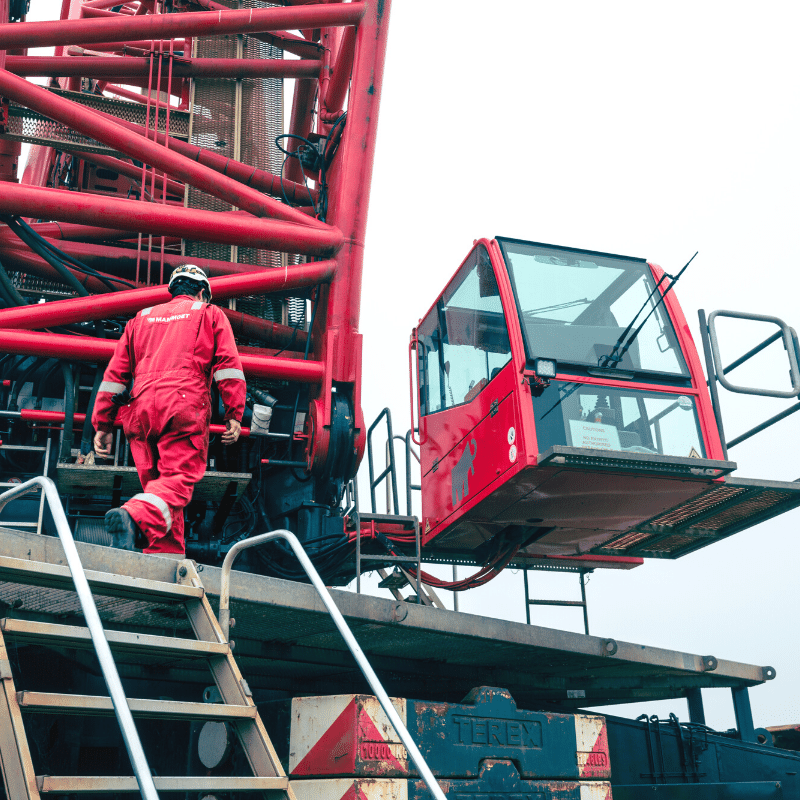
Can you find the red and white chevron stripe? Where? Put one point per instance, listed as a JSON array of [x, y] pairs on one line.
[[345, 735]]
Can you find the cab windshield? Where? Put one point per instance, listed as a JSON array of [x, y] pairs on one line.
[[575, 305]]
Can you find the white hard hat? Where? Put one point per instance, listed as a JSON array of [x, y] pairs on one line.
[[193, 273]]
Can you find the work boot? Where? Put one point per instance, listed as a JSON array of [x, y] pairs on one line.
[[120, 524]]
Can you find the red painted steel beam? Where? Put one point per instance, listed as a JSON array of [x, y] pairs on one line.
[[54, 230], [127, 169], [129, 301], [137, 48], [101, 128], [186, 223], [108, 68], [283, 40], [37, 416], [122, 262], [243, 173], [250, 327], [88, 348], [350, 178], [27, 261], [169, 26], [340, 73]]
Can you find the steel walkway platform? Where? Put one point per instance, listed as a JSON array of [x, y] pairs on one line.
[[286, 644]]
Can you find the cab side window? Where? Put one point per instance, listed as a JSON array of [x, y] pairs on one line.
[[463, 342]]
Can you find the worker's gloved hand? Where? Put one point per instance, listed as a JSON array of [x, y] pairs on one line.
[[233, 429], [103, 442]]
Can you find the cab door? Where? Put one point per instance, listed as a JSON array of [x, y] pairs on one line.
[[466, 383]]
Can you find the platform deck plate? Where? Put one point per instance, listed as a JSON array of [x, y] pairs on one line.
[[285, 640]]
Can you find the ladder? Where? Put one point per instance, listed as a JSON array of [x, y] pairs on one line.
[[209, 645]]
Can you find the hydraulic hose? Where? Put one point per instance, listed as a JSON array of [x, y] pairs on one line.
[[48, 256], [20, 382], [10, 289]]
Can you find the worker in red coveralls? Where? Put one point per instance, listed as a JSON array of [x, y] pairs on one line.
[[171, 353]]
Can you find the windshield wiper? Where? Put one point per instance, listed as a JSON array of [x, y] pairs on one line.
[[557, 306], [618, 353]]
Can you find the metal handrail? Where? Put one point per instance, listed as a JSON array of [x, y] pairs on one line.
[[129, 734], [344, 630]]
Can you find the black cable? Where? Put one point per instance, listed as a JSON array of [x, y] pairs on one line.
[[57, 258], [9, 287], [54, 262]]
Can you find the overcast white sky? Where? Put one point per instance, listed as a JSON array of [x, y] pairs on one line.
[[643, 129]]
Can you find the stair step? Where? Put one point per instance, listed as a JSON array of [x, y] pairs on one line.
[[162, 709], [57, 576], [91, 784], [119, 641]]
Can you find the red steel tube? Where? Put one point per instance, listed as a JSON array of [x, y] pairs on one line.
[[55, 230], [259, 179], [121, 67], [168, 26], [187, 223], [178, 46], [122, 262], [125, 168], [340, 74], [117, 136], [105, 86], [28, 261], [88, 348], [129, 301], [37, 415]]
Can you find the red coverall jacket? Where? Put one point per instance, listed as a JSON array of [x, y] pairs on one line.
[[172, 352]]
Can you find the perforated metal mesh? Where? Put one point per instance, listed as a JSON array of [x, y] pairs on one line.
[[30, 284], [718, 512], [29, 126], [749, 507], [700, 504]]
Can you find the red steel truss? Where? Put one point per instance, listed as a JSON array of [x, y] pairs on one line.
[[141, 51]]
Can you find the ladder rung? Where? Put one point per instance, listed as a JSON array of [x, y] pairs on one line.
[[557, 603], [57, 576], [68, 784], [73, 636], [162, 709]]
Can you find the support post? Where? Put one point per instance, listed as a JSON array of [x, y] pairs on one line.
[[744, 714], [694, 699]]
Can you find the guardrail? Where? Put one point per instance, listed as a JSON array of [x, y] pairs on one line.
[[344, 630], [131, 737]]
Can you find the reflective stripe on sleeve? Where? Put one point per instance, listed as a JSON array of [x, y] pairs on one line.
[[225, 374], [146, 311], [111, 386], [155, 500]]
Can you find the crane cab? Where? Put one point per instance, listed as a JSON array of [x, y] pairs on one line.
[[563, 410]]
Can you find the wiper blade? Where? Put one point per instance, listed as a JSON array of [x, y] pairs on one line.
[[557, 306], [618, 353]]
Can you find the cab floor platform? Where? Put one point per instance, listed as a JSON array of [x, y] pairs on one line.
[[286, 642]]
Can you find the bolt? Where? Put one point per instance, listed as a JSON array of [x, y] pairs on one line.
[[182, 571]]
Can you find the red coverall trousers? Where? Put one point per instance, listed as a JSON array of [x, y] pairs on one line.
[[170, 454], [171, 353]]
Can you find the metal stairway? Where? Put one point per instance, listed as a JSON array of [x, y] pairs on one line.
[[237, 708]]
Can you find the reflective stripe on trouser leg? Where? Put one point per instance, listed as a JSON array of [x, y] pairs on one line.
[[155, 500]]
